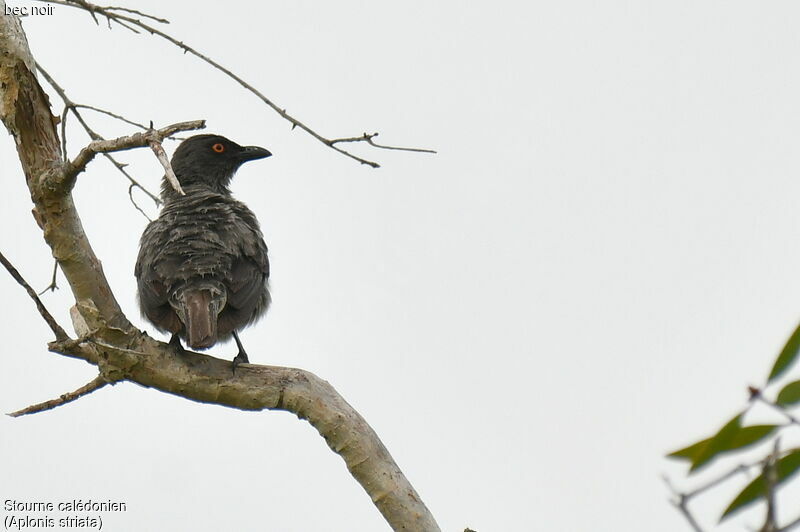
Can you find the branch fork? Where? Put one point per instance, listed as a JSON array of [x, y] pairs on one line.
[[150, 137]]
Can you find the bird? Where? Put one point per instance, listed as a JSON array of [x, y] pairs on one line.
[[202, 270]]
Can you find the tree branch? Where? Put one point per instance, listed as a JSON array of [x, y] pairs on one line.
[[127, 22], [109, 113], [681, 502], [52, 287], [368, 139], [161, 155], [70, 106], [151, 137], [791, 526], [61, 335], [200, 377], [97, 383], [681, 499], [775, 406], [770, 474]]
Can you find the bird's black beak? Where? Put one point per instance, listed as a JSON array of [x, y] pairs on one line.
[[251, 153]]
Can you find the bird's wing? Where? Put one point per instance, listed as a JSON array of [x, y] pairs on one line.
[[153, 290], [246, 281]]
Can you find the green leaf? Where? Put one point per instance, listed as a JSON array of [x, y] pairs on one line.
[[719, 443], [786, 467], [688, 453], [745, 437], [790, 394], [787, 357]]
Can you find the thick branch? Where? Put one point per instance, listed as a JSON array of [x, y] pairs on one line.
[[199, 377], [25, 111]]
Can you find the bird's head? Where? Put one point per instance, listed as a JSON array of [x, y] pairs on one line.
[[211, 160]]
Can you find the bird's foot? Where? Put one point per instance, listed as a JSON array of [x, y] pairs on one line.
[[175, 342], [241, 356]]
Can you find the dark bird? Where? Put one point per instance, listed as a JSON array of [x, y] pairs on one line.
[[202, 269]]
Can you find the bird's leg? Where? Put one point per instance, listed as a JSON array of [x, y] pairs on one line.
[[241, 356], [175, 342]]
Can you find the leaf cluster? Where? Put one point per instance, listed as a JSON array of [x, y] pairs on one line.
[[734, 437]]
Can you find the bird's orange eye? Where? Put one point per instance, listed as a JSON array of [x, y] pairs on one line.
[[218, 147]]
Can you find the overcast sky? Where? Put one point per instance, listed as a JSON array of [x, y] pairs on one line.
[[599, 260]]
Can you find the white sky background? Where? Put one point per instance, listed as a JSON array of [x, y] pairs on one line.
[[599, 260]]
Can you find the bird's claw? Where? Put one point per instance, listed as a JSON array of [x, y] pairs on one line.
[[240, 358], [175, 342]]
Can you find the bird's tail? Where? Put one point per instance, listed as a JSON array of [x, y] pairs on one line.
[[198, 307]]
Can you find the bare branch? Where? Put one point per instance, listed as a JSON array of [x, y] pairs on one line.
[[770, 475], [741, 468], [121, 23], [97, 383], [368, 139], [133, 183], [109, 113], [158, 149], [135, 12], [61, 335], [70, 106], [791, 526], [331, 143], [137, 140], [52, 286], [199, 377], [681, 502], [133, 200], [775, 406], [25, 112]]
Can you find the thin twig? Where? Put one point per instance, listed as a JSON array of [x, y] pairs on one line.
[[741, 468], [136, 205], [681, 499], [794, 524], [331, 143], [52, 286], [64, 116], [109, 113], [775, 406], [681, 502], [61, 335], [770, 475], [97, 383], [366, 137], [121, 23], [135, 12]]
